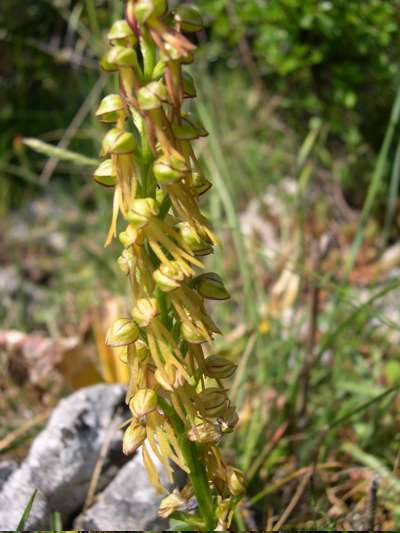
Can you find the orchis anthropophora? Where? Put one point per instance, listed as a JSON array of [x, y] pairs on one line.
[[177, 395]]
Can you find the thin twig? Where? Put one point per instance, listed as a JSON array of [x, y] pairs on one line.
[[243, 362], [294, 501], [101, 460], [311, 339], [269, 446], [9, 439]]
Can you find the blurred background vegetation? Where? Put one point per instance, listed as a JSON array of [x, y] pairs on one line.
[[302, 102]]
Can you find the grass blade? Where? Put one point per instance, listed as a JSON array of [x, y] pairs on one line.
[[26, 513], [376, 181]]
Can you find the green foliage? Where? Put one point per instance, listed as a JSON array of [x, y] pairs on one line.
[[336, 59]]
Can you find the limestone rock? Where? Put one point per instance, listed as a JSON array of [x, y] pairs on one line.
[[6, 469], [129, 503], [62, 458]]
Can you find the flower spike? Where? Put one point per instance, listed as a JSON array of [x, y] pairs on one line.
[[180, 407]]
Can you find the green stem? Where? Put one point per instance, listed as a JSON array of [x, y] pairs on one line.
[[149, 55], [197, 471]]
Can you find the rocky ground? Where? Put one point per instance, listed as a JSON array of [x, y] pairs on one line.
[[78, 470]]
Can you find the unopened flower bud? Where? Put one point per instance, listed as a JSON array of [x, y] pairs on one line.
[[168, 277], [204, 433], [170, 169], [188, 17], [121, 34], [219, 367], [105, 174], [121, 57], [189, 88], [200, 184], [152, 95], [124, 331], [128, 237], [143, 402], [192, 334], [213, 401], [235, 481], [110, 109], [134, 437], [188, 128], [210, 286], [169, 377], [198, 245], [144, 9], [228, 419], [142, 210], [144, 311], [118, 142]]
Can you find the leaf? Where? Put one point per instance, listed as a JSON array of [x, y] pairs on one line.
[[60, 153]]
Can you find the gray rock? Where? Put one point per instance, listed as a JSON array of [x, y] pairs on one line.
[[62, 458], [129, 503], [6, 469]]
